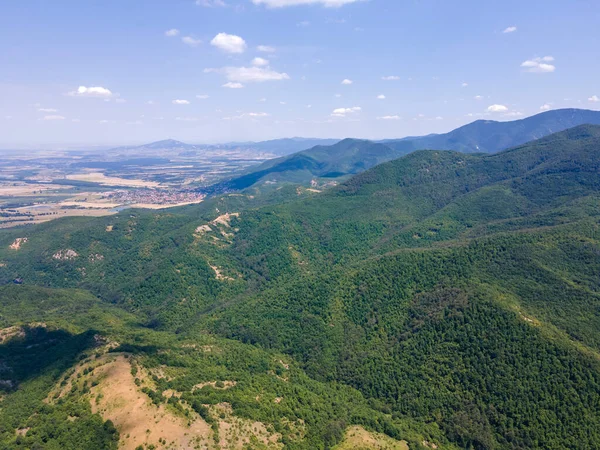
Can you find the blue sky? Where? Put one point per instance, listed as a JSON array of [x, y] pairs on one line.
[[116, 72]]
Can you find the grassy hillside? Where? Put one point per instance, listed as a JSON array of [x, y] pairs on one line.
[[442, 298]]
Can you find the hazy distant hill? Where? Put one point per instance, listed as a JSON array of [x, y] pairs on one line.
[[489, 136], [279, 147], [282, 147], [352, 156]]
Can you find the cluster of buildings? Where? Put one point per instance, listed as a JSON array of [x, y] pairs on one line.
[[154, 196]]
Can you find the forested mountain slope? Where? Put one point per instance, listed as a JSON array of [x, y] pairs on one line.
[[490, 136], [442, 298], [352, 156]]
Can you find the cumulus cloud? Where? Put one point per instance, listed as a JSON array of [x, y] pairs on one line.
[[347, 82], [342, 112], [229, 43], [260, 62], [545, 107], [390, 78], [594, 99], [54, 117], [381, 97], [181, 102], [172, 32], [47, 110], [250, 74], [192, 42], [231, 85], [465, 84], [539, 65], [394, 117], [478, 97], [202, 96], [510, 30], [95, 91], [497, 108], [284, 3]]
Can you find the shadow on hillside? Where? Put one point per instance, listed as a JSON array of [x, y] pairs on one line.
[[36, 351]]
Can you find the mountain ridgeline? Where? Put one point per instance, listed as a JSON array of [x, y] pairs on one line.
[[352, 156], [443, 299]]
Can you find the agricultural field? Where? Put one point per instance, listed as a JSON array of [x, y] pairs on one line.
[[49, 184]]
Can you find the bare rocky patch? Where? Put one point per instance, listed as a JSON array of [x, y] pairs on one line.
[[357, 438], [65, 255], [18, 242]]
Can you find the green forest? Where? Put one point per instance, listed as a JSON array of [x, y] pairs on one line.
[[442, 299]]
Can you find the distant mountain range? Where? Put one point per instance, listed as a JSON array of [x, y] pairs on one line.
[[351, 156], [278, 147], [489, 136]]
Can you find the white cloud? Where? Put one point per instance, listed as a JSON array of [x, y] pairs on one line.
[[172, 32], [594, 99], [390, 78], [250, 74], [381, 97], [465, 84], [211, 3], [265, 49], [497, 108], [96, 91], [231, 85], [258, 114], [539, 65], [284, 3], [545, 107], [192, 42], [120, 100], [341, 112], [260, 62], [54, 117], [439, 118], [202, 96], [262, 100], [510, 30], [513, 114], [347, 82], [337, 95], [304, 23], [229, 43], [282, 103], [181, 102], [478, 97], [394, 117], [47, 110], [150, 102]]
